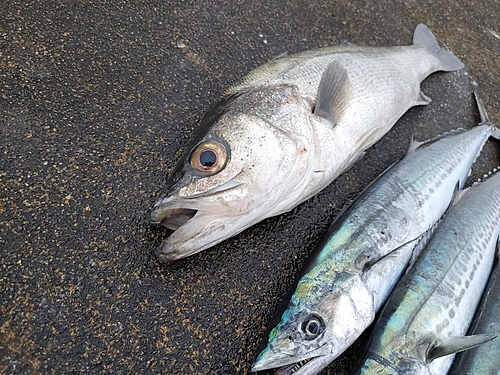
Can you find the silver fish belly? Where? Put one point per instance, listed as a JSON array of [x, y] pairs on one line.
[[425, 319], [485, 359], [366, 251], [286, 131]]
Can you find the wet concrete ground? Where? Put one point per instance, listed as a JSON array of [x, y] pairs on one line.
[[98, 99]]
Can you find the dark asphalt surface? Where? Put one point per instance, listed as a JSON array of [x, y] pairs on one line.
[[98, 99]]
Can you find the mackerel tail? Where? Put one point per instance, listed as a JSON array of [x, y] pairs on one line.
[[485, 359], [423, 324]]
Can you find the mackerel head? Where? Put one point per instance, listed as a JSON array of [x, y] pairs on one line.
[[365, 252], [287, 130]]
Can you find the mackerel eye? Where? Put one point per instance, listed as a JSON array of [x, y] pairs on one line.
[[208, 156], [312, 326]]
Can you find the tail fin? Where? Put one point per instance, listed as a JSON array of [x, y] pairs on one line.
[[424, 37]]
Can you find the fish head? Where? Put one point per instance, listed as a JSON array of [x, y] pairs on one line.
[[321, 321], [242, 170]]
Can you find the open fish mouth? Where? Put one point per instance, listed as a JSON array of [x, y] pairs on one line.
[[190, 226], [176, 217], [171, 215], [293, 368], [197, 223], [283, 365], [174, 213]]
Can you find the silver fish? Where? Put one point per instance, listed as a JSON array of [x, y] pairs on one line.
[[424, 321], [286, 131], [485, 359], [365, 252]]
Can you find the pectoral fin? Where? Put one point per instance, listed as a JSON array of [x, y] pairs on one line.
[[455, 344], [333, 93]]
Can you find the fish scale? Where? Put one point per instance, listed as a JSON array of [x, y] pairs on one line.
[[367, 249], [437, 298]]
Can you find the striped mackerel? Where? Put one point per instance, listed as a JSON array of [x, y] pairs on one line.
[[424, 321]]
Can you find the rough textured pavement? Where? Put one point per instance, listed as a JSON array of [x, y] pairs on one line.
[[98, 99]]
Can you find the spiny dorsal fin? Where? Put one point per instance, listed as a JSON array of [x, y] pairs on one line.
[[333, 93], [422, 243], [455, 344]]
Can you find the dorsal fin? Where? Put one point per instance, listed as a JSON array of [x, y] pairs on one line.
[[455, 344], [417, 144], [333, 93], [414, 145], [483, 115], [459, 193]]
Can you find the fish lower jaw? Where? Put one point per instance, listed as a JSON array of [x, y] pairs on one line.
[[202, 230]]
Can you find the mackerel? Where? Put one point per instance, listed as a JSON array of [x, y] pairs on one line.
[[485, 359], [365, 251], [424, 321]]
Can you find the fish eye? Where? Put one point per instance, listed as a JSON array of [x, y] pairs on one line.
[[209, 156], [313, 325]]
